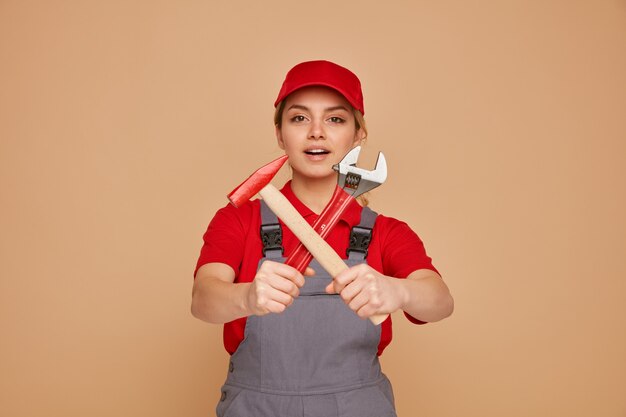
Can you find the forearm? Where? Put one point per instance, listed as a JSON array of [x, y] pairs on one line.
[[426, 297], [216, 301], [215, 296]]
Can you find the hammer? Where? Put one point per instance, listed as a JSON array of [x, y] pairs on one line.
[[259, 182]]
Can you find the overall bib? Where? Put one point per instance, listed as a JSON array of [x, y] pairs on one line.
[[316, 359]]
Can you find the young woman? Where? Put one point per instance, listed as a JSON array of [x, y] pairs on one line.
[[301, 345]]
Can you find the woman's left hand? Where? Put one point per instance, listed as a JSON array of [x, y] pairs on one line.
[[368, 292]]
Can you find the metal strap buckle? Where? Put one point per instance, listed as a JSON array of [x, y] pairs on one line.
[[360, 238], [272, 237]]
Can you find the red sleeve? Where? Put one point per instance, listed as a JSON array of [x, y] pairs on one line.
[[403, 252], [224, 239]]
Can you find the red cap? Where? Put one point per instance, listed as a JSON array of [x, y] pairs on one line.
[[327, 74]]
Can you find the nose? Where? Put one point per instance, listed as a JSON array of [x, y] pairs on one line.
[[316, 130]]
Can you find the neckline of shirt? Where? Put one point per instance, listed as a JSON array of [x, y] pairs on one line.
[[351, 216]]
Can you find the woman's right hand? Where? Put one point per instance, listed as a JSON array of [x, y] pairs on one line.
[[274, 288]]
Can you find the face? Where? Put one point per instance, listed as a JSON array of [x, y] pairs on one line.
[[318, 129]]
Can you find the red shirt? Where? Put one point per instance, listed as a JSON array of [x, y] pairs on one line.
[[233, 238]]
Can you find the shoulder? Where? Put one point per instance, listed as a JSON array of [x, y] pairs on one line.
[[231, 217], [394, 236], [402, 251], [389, 226], [227, 235]]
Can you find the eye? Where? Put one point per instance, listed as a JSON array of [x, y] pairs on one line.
[[336, 119], [298, 118]]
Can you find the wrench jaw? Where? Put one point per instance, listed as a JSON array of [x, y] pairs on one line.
[[356, 181], [351, 157]]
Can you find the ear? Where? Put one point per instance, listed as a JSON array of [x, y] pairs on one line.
[[279, 137], [359, 136]]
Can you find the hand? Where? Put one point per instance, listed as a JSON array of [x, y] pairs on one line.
[[368, 292], [274, 288]]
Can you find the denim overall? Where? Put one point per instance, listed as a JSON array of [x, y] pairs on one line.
[[316, 359]]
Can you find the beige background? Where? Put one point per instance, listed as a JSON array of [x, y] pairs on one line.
[[124, 124]]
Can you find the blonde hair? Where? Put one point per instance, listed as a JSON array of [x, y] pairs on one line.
[[359, 123]]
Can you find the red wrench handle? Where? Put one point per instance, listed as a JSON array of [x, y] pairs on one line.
[[301, 257]]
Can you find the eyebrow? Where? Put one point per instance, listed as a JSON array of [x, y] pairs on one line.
[[301, 107]]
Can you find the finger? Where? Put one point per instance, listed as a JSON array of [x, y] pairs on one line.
[[309, 271], [268, 264], [351, 290], [372, 306], [358, 303], [269, 277], [290, 273], [269, 296], [368, 310], [284, 285], [275, 307], [344, 278]]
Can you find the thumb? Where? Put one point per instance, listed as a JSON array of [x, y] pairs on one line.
[[330, 288], [309, 271]]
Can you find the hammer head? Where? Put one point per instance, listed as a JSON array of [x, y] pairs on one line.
[[255, 182], [356, 181]]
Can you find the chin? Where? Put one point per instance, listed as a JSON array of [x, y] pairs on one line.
[[317, 174], [324, 175]]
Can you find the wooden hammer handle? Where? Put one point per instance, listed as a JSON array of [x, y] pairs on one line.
[[319, 248]]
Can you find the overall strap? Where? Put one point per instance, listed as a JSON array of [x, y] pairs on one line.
[[361, 235], [271, 233]]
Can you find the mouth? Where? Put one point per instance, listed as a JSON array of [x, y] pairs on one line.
[[316, 151]]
